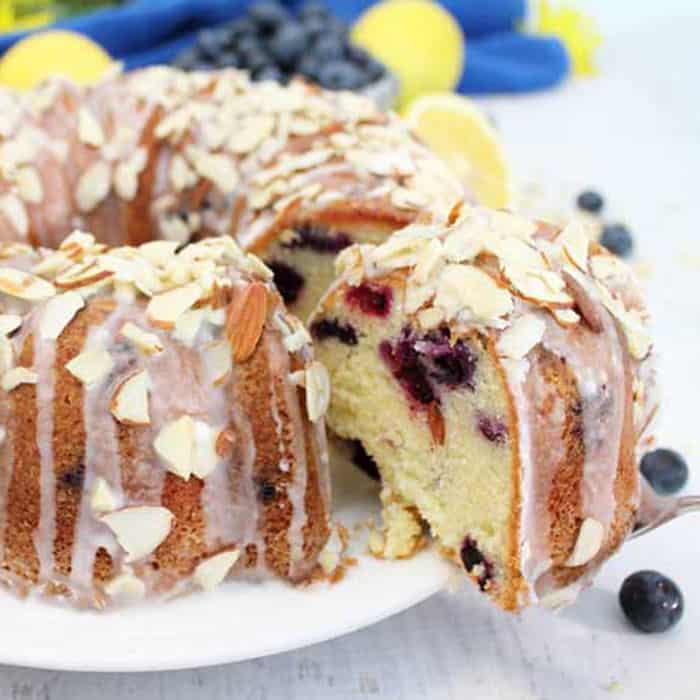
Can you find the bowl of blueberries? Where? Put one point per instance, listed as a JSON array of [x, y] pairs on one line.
[[272, 43]]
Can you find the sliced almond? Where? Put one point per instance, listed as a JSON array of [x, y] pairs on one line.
[[588, 543], [129, 404], [125, 586], [181, 175], [404, 198], [318, 390], [246, 321], [13, 209], [9, 323], [467, 288], [7, 355], [102, 498], [524, 333], [248, 137], [212, 571], [16, 376], [218, 359], [216, 167], [205, 456], [58, 313], [158, 252], [174, 444], [91, 366], [187, 326], [575, 242], [93, 186], [29, 185], [139, 529], [147, 343], [583, 300], [89, 129], [164, 309], [126, 174]]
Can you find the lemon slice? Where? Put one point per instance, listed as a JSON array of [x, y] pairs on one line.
[[41, 55], [455, 128], [418, 40]]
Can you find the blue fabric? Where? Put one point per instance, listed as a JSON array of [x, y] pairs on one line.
[[499, 59]]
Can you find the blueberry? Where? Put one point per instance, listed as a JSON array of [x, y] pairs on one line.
[[372, 299], [267, 491], [288, 44], [267, 16], [288, 281], [314, 26], [269, 72], [240, 28], [188, 58], [665, 470], [651, 601], [617, 239], [364, 461], [310, 67], [325, 328], [313, 9], [591, 201], [328, 48], [254, 59], [248, 44], [212, 41], [341, 75], [228, 59], [374, 69]]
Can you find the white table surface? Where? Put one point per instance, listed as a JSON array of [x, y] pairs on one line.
[[635, 134]]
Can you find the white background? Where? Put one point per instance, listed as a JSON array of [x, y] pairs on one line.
[[633, 133]]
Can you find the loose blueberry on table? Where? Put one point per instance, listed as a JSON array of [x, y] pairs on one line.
[[617, 239], [651, 601], [273, 44], [665, 470], [590, 201]]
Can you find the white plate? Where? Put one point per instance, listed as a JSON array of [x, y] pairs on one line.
[[238, 621]]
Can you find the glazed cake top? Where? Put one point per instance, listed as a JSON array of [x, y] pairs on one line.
[[180, 290], [215, 153]]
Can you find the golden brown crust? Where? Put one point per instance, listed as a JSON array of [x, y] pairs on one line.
[[565, 494], [69, 455], [23, 496], [276, 511], [138, 217], [514, 583]]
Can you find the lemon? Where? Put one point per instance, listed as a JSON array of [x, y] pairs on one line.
[[455, 128], [418, 40], [69, 54]]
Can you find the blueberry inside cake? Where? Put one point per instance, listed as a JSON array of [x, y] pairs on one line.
[[497, 371]]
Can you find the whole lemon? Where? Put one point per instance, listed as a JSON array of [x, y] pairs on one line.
[[53, 52], [418, 40]]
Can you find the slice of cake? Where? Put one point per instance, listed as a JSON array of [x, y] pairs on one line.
[[161, 423], [498, 373]]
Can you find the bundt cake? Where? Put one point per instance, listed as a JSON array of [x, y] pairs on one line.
[[295, 173], [498, 371], [162, 422]]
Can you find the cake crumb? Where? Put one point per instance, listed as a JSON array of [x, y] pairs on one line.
[[401, 535]]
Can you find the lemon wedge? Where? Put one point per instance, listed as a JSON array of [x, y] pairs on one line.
[[456, 129], [53, 52], [418, 40]]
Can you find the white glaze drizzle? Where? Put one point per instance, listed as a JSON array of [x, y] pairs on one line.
[[101, 459], [296, 485], [44, 356]]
